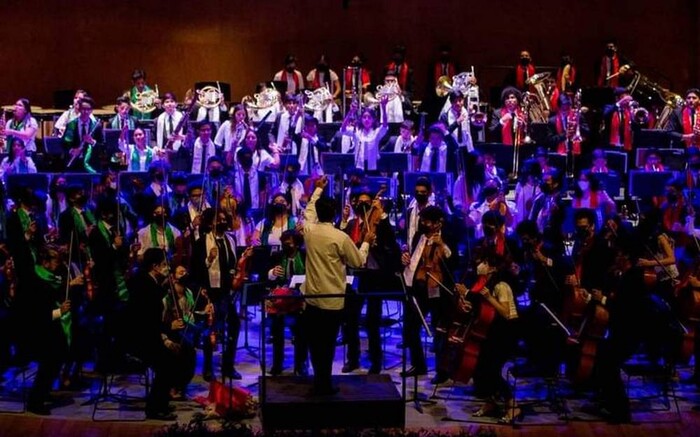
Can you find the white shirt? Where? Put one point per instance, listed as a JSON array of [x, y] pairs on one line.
[[367, 146], [304, 156], [297, 193], [199, 161], [328, 252], [13, 168], [428, 158], [403, 146], [283, 129], [29, 123], [163, 124], [466, 139], [227, 138], [144, 238], [254, 186]]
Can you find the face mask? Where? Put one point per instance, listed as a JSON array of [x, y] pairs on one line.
[[246, 163], [583, 185], [113, 185], [362, 208], [489, 231], [80, 200], [288, 249], [215, 172], [672, 197], [159, 177], [164, 271], [581, 232], [524, 61], [221, 227], [279, 208], [291, 178], [182, 279], [610, 52], [158, 218], [421, 198], [546, 188]]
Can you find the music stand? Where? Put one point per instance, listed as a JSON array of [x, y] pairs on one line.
[[54, 146], [390, 162], [111, 137], [673, 159], [279, 85], [652, 138], [539, 132], [611, 183], [646, 184], [333, 163], [439, 181], [327, 131], [35, 181], [85, 180]]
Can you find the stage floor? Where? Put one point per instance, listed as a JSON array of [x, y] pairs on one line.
[[449, 409]]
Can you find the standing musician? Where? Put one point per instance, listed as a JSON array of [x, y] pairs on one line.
[[122, 120], [70, 114], [166, 123], [399, 68], [159, 233], [523, 71], [277, 220], [292, 188], [378, 275], [249, 184], [508, 122], [437, 154], [612, 67], [564, 126], [231, 134], [77, 221], [288, 262], [422, 198], [566, 75], [138, 79], [354, 73], [311, 145], [367, 135], [213, 264], [329, 252], [496, 272], [188, 219], [324, 76], [203, 149], [290, 75], [287, 125], [21, 126], [685, 121], [620, 123], [425, 262], [548, 208], [82, 135], [456, 118]]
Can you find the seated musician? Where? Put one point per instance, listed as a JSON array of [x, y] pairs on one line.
[[653, 162], [122, 120], [403, 142], [366, 135], [231, 134], [675, 209], [600, 163], [249, 185], [588, 193], [508, 121], [290, 75], [277, 220], [496, 270], [566, 127], [324, 76], [293, 189], [684, 124], [183, 330], [428, 258], [138, 80], [437, 154], [139, 155], [456, 118], [21, 126], [288, 262], [17, 162], [382, 262], [81, 137], [159, 233], [527, 189], [70, 114], [166, 123], [203, 149]]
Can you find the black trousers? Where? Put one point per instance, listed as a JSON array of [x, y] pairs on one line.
[[165, 377], [50, 358], [437, 308], [228, 323], [301, 350], [494, 352], [321, 329]]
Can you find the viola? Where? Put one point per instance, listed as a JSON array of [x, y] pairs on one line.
[[429, 269], [241, 270], [210, 318], [89, 284], [374, 215]]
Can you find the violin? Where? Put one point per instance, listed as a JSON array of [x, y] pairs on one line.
[[241, 270], [429, 269], [374, 215], [210, 317]]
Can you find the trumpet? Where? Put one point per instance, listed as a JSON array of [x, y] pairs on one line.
[[210, 97], [640, 115], [145, 101]]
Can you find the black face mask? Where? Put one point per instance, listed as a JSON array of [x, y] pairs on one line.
[[524, 61], [581, 233], [362, 208], [610, 52], [421, 198], [215, 172], [288, 250], [279, 208], [158, 218], [246, 163], [547, 189], [183, 279], [489, 231], [221, 227], [322, 67], [291, 177], [159, 177], [80, 200], [672, 197]]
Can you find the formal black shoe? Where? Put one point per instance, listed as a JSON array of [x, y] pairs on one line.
[[350, 366], [275, 370], [414, 371], [166, 416], [233, 374], [39, 409], [374, 370]]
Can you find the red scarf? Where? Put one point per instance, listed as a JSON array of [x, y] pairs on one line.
[[570, 81], [520, 75], [613, 82], [451, 71], [673, 214], [356, 232], [602, 170], [592, 202], [561, 147], [364, 77], [316, 81], [688, 125], [507, 129], [615, 129], [554, 100], [296, 75], [402, 72]]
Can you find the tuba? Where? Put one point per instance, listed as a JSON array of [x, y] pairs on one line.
[[210, 97], [145, 101], [539, 105]]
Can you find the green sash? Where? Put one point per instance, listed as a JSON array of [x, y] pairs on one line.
[[55, 282]]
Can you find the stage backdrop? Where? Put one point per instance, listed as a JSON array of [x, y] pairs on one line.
[[54, 45]]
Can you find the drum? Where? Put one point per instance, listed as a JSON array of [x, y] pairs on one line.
[[280, 302]]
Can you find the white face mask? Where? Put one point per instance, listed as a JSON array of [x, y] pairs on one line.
[[113, 185], [583, 185]]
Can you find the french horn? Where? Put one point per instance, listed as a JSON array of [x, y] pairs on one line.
[[146, 101], [265, 99], [210, 97], [318, 99]]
